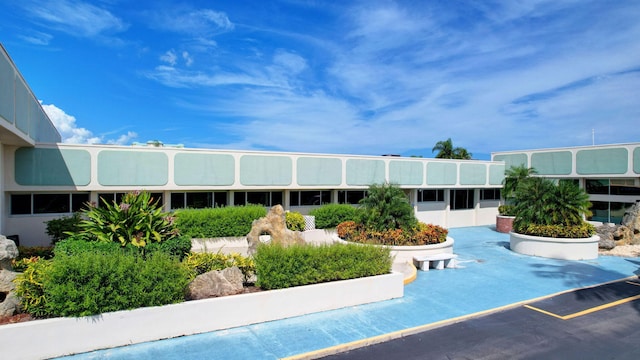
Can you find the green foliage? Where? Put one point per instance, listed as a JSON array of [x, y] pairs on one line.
[[295, 221], [137, 220], [386, 207], [330, 215], [30, 287], [282, 267], [177, 247], [540, 201], [200, 263], [62, 228], [97, 282], [218, 222], [421, 234], [20, 265], [513, 176], [447, 151], [583, 230], [507, 210]]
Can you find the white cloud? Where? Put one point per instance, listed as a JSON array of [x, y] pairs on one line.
[[169, 57], [75, 17], [71, 133], [200, 22]]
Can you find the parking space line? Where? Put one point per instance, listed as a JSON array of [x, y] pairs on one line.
[[587, 311]]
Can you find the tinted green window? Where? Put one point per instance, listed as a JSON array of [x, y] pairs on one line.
[[552, 163], [365, 172], [132, 168], [602, 161], [52, 167]]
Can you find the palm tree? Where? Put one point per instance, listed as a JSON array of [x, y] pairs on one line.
[[447, 151], [386, 207], [513, 176]]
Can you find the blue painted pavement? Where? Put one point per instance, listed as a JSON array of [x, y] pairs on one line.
[[489, 276]]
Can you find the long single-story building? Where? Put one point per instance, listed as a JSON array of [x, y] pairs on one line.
[[43, 179]]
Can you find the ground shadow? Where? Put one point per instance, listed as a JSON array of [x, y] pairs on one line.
[[581, 275]]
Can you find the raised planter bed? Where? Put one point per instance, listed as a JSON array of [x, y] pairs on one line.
[[555, 248], [504, 224], [406, 253], [64, 336]]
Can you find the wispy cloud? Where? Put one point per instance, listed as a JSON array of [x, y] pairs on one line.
[[74, 17], [71, 133]]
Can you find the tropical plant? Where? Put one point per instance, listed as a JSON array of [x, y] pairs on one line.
[[295, 221], [513, 176], [386, 207], [60, 229], [447, 151], [542, 202], [137, 220]]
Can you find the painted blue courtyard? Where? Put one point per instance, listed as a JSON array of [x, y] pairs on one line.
[[489, 276]]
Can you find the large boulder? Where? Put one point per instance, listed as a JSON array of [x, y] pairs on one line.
[[631, 220], [216, 283], [274, 224], [9, 301], [8, 252]]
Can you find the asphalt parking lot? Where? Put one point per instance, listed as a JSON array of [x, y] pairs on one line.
[[600, 322]]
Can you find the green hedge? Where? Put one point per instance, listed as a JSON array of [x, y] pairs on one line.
[[218, 222], [295, 221], [95, 282], [178, 247], [280, 267], [330, 215], [584, 230]]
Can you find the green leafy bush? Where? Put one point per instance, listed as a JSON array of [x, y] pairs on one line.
[[177, 247], [62, 228], [386, 207], [282, 267], [44, 252], [97, 282], [507, 210], [218, 222], [200, 263], [330, 215], [295, 221], [544, 206], [137, 220], [421, 234], [583, 230], [30, 287]]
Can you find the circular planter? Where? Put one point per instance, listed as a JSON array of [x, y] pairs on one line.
[[504, 224], [406, 253], [555, 248]]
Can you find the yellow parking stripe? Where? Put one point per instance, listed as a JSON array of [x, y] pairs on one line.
[[587, 311]]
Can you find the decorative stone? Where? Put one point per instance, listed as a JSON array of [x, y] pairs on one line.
[[274, 224], [216, 283], [8, 252], [9, 301], [631, 220]]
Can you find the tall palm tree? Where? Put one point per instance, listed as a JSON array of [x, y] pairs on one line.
[[447, 151]]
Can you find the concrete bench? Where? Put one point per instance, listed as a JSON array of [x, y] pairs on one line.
[[436, 261]]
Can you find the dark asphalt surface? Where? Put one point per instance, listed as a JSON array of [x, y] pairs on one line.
[[600, 323]]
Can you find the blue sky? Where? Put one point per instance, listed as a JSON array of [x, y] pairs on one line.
[[369, 77]]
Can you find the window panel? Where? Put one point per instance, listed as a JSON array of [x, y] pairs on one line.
[[51, 203], [79, 201], [20, 204], [177, 200], [198, 200]]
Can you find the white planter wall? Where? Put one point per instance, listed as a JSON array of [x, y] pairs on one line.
[[555, 248], [65, 336]]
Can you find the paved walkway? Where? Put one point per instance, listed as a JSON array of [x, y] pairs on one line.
[[490, 277]]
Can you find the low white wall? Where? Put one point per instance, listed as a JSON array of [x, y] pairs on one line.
[[404, 254], [65, 336], [555, 248]]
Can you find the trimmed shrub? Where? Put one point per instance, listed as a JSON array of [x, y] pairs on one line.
[[583, 230], [177, 247], [507, 210], [218, 222], [62, 228], [200, 263], [421, 234], [97, 282], [330, 215], [295, 221], [282, 267]]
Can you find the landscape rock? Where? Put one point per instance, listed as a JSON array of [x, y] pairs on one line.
[[9, 301], [631, 220], [8, 252], [274, 224], [216, 283]]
